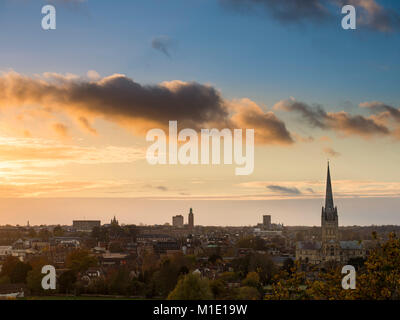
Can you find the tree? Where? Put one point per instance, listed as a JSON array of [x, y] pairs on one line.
[[67, 281], [58, 231], [288, 286], [218, 288], [252, 280], [20, 272], [32, 233], [8, 266], [358, 262], [79, 260], [35, 276], [191, 287], [5, 280], [100, 234], [166, 278], [14, 270], [214, 258], [137, 287], [288, 264], [118, 281], [229, 276], [248, 293], [379, 279], [44, 234], [260, 263]]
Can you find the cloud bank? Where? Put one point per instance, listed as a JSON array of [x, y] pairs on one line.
[[341, 122], [370, 13], [284, 190], [120, 99]]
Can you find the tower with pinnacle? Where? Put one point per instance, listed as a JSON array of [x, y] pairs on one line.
[[191, 219], [329, 224]]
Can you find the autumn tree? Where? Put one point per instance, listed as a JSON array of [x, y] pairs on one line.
[[44, 234], [80, 260], [67, 281], [288, 285], [191, 287], [381, 279], [58, 231], [118, 281], [14, 271], [248, 293], [35, 276], [168, 273], [377, 279]]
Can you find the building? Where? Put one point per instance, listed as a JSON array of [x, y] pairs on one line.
[[177, 221], [114, 222], [331, 248], [13, 290], [85, 225], [267, 222], [191, 219], [4, 252]]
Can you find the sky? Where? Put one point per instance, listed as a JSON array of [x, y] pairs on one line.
[[76, 104]]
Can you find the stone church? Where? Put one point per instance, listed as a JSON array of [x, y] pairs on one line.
[[331, 248]]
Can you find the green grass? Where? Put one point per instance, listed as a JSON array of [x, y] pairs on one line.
[[78, 298]]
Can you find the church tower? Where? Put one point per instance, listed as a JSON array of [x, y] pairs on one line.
[[191, 219], [330, 225]]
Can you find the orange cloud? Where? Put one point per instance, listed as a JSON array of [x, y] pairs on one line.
[[61, 129], [119, 99]]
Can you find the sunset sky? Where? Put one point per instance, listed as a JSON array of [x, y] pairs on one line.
[[76, 103]]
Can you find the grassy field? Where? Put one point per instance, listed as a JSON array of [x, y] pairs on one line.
[[79, 298]]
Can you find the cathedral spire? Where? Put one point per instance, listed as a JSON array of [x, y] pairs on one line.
[[328, 196]]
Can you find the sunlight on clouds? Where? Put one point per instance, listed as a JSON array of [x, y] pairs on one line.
[[316, 189], [29, 166]]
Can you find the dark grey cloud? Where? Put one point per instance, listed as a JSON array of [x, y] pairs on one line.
[[163, 44], [119, 98], [373, 15], [370, 13], [285, 190], [382, 110], [287, 11], [314, 115], [341, 122], [162, 188], [140, 107], [310, 190]]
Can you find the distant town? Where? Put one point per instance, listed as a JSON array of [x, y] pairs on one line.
[[112, 259]]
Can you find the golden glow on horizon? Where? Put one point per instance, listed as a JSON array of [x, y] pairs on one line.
[[51, 149]]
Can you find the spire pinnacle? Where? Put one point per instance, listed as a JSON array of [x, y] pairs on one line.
[[328, 196]]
